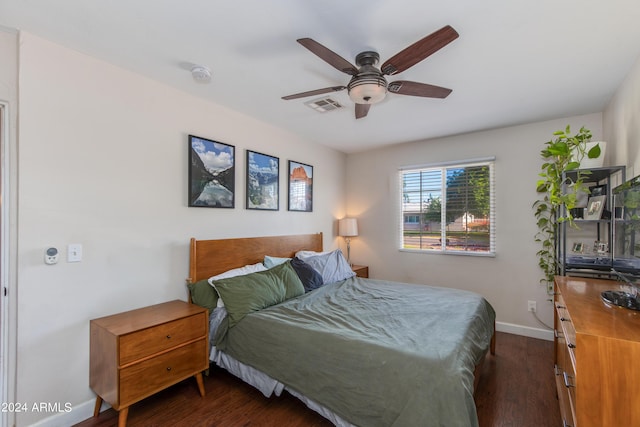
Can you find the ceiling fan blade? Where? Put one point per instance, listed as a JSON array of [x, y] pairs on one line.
[[314, 92], [329, 56], [419, 50], [362, 110], [404, 87]]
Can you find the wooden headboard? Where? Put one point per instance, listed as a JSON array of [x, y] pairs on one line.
[[210, 257]]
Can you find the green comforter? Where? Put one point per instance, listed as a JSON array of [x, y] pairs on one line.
[[376, 353]]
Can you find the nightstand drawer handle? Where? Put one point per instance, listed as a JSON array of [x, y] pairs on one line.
[[168, 337], [169, 368], [567, 382]]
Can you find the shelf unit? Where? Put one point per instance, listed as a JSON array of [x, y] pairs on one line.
[[577, 253]]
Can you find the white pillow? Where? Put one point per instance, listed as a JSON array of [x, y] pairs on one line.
[[306, 254], [240, 271]]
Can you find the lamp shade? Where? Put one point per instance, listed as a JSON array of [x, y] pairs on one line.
[[367, 93], [348, 227]]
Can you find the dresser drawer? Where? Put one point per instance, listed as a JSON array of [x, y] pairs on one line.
[[565, 362], [565, 324], [146, 342], [142, 379], [568, 380], [566, 400]]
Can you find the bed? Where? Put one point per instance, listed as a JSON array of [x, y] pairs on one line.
[[361, 352]]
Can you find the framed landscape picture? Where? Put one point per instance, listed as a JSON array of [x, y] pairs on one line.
[[211, 173], [300, 187], [263, 177]]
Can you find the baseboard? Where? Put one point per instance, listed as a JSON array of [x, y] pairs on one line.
[[77, 414], [543, 334]]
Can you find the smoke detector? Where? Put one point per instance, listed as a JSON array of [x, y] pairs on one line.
[[201, 74]]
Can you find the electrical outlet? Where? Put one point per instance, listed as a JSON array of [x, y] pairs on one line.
[[531, 306]]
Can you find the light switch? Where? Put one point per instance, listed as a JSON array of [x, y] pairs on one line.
[[74, 252]]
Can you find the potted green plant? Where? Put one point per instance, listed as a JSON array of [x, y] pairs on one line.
[[559, 193]]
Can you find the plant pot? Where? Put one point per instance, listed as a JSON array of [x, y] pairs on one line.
[[598, 162]]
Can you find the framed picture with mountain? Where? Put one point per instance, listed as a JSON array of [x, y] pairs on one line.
[[263, 177], [300, 187], [211, 173]]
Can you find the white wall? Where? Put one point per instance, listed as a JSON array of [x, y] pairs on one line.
[[103, 163], [510, 279], [8, 158], [621, 122]]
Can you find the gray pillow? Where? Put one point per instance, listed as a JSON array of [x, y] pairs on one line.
[[309, 277], [272, 261], [333, 267]]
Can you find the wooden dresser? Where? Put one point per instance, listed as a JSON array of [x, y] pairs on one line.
[[140, 352], [597, 355]]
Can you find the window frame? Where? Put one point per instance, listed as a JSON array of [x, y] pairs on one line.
[[442, 167]]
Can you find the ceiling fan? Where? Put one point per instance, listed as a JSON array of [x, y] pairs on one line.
[[368, 84]]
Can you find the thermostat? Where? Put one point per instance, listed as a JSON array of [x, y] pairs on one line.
[[51, 256]]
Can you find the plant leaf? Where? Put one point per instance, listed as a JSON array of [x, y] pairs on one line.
[[595, 151], [572, 166]]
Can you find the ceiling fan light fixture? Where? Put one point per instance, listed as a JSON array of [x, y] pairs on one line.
[[368, 85], [367, 90]]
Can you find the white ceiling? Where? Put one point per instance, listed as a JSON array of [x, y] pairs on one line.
[[514, 62]]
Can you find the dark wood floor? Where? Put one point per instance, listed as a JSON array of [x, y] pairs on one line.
[[516, 389]]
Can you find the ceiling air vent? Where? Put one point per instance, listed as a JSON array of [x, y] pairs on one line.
[[324, 105]]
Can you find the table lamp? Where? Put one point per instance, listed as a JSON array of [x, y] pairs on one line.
[[348, 228]]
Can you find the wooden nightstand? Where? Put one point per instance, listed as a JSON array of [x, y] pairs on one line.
[[140, 352], [361, 270]]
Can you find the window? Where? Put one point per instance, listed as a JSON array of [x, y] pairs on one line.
[[448, 208]]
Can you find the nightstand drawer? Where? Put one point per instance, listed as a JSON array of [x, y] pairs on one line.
[[146, 342], [361, 271], [149, 376]]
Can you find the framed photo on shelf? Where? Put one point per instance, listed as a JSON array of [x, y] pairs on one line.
[[601, 248], [578, 247], [598, 190], [595, 207], [263, 177], [300, 187], [211, 173]]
